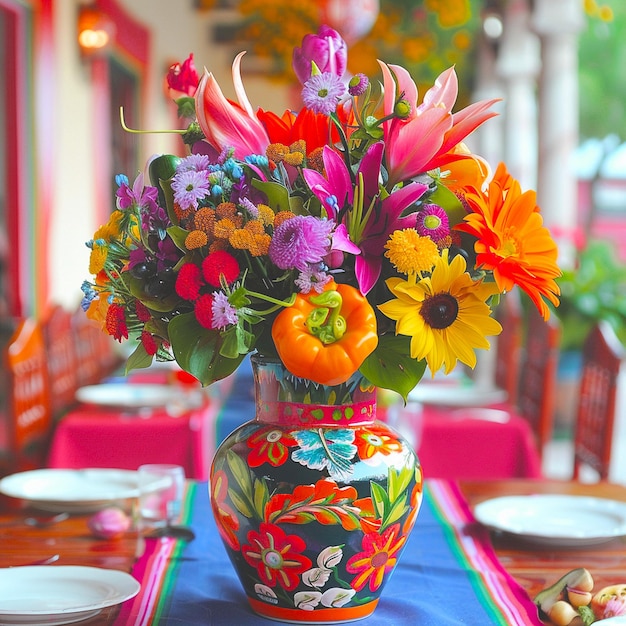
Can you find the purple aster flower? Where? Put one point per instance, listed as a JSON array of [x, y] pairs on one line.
[[250, 207], [301, 241], [312, 279], [322, 93], [193, 162], [189, 187], [432, 221], [358, 85], [224, 313]]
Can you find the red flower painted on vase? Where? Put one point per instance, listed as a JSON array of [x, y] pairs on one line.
[[227, 522], [276, 556], [374, 439], [269, 445], [379, 556]]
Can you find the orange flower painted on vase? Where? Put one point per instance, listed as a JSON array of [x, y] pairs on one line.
[[269, 445], [379, 556], [276, 556], [227, 522], [374, 440]]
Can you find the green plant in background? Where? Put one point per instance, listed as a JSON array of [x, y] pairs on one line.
[[594, 290]]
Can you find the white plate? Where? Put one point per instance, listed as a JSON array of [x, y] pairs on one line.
[[72, 490], [60, 594], [619, 620], [457, 395], [555, 520], [132, 395]]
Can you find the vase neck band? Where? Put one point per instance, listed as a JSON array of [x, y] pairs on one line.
[[296, 413]]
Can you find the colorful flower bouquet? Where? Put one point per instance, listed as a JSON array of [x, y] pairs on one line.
[[358, 234]]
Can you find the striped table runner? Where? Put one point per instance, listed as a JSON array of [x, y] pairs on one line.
[[448, 575]]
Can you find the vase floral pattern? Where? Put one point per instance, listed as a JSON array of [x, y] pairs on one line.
[[314, 498]]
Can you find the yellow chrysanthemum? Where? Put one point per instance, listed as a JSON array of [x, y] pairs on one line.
[[97, 258], [446, 315], [411, 253], [266, 214]]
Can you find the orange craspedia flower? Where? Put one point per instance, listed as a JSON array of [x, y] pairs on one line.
[[512, 241]]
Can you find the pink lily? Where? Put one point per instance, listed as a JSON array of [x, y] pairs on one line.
[[421, 141], [368, 229], [226, 124]]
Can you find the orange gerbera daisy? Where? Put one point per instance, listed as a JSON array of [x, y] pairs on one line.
[[512, 240]]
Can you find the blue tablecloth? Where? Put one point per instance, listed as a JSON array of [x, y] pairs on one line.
[[437, 582]]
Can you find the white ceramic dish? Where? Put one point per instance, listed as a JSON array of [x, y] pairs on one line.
[[60, 594], [455, 395], [131, 395], [555, 520], [72, 490]]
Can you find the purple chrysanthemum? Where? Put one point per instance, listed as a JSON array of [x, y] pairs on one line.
[[322, 93], [189, 187], [224, 313], [358, 85], [300, 241], [432, 221]]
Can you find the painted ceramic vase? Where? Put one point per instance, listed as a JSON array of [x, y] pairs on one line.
[[314, 498]]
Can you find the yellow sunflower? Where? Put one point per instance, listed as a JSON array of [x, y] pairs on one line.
[[446, 314]]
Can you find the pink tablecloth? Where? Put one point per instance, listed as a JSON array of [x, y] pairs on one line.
[[104, 437], [454, 446]]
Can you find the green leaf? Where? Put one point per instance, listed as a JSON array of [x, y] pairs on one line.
[[391, 367], [379, 498], [162, 305], [397, 510], [138, 359], [277, 195], [398, 482], [162, 168], [197, 350], [261, 496], [240, 503], [449, 202], [178, 236]]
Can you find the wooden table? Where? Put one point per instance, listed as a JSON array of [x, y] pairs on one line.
[[536, 568], [533, 567]]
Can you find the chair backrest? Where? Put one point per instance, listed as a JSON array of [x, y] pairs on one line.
[[509, 345], [94, 350], [62, 362], [603, 355], [538, 374], [29, 410]]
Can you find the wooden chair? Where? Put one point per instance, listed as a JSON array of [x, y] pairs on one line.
[[29, 412], [603, 355], [509, 345], [62, 362], [94, 349], [538, 374]]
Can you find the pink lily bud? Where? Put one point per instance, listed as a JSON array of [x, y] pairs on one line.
[[182, 79], [109, 523], [327, 50]]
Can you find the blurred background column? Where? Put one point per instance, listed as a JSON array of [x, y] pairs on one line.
[[518, 66], [558, 23]]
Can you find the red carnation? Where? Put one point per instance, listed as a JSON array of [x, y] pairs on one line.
[[149, 343], [189, 281], [116, 322], [143, 313], [204, 310], [220, 263]]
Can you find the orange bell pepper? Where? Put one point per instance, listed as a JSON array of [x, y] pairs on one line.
[[326, 337]]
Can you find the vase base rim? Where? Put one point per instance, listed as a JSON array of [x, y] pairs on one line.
[[339, 615]]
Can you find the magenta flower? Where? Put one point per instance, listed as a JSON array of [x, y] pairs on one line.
[[327, 50], [432, 221], [367, 231], [182, 79]]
